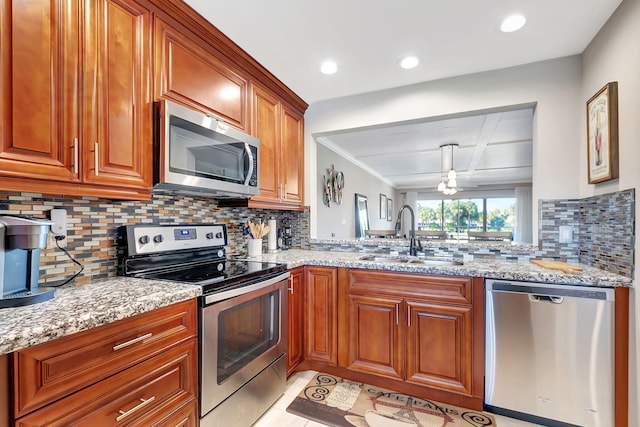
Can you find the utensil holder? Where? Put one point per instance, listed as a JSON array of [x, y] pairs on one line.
[[254, 247]]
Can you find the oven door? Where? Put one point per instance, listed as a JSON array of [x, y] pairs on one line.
[[242, 333]]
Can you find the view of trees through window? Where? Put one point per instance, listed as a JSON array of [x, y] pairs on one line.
[[457, 217]]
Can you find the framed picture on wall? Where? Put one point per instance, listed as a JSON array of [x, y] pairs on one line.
[[389, 209], [383, 206], [602, 134]]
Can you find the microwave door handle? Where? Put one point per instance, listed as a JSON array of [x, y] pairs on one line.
[[250, 154]]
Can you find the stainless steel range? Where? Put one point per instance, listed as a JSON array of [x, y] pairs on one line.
[[242, 314]]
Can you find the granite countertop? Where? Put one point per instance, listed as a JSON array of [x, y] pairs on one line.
[[76, 308], [79, 307], [488, 268]]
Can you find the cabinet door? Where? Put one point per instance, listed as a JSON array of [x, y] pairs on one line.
[[186, 72], [40, 89], [295, 307], [292, 157], [266, 127], [375, 335], [439, 346], [321, 325], [117, 109]]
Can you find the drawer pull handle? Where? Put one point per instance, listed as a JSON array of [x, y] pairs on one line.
[[125, 414], [133, 341]]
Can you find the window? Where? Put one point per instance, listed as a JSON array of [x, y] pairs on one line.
[[458, 217], [501, 214]]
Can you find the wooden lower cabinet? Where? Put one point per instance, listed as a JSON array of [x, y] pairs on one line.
[[376, 339], [295, 319], [138, 371], [144, 395], [321, 317], [440, 346], [415, 333]]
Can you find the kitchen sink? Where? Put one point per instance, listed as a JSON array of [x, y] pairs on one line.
[[412, 260]]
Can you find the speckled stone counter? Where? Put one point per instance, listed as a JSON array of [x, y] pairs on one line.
[[488, 268], [79, 307], [75, 308]]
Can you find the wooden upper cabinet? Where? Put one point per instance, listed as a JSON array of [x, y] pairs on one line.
[[117, 109], [76, 77], [266, 127], [188, 73], [40, 89], [292, 157], [280, 131]]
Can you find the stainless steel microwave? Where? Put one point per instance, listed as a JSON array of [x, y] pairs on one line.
[[196, 153]]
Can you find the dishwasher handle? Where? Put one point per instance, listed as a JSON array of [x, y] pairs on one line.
[[546, 298], [550, 290]]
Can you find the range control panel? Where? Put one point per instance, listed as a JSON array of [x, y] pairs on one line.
[[145, 239]]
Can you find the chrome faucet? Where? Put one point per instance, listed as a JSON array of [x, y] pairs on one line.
[[414, 244]]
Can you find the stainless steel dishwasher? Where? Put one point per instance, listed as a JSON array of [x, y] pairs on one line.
[[549, 353]]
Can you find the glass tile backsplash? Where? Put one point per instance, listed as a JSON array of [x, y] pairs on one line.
[[92, 225]]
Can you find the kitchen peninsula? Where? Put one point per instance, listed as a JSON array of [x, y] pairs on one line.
[[80, 307], [338, 289]]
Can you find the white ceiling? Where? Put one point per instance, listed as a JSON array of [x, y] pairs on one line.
[[455, 37], [494, 148]]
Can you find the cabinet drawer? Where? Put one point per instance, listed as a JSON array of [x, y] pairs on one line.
[[455, 289], [142, 395], [52, 370], [187, 416]]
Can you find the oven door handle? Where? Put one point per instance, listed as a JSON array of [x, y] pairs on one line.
[[219, 296]]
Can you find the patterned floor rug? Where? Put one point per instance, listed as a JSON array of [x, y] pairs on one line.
[[335, 401]]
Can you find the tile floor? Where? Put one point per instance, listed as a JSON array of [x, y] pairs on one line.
[[278, 416]]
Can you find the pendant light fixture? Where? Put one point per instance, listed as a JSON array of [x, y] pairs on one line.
[[448, 186]]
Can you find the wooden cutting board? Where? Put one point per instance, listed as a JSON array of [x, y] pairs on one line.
[[558, 265]]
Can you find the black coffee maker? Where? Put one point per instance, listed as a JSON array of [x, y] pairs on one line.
[[20, 242]]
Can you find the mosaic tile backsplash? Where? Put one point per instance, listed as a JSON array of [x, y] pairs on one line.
[[607, 232], [92, 227], [604, 230], [604, 235]]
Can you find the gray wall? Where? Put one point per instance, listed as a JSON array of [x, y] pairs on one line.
[[554, 85], [613, 56], [339, 220]]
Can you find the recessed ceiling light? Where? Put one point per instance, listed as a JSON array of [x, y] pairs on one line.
[[513, 23], [409, 62], [328, 67]]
